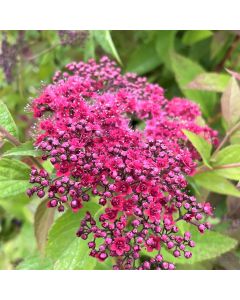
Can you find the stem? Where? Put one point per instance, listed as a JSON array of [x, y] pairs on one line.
[[228, 54], [229, 166], [20, 77], [225, 139], [7, 135], [43, 52], [203, 168]]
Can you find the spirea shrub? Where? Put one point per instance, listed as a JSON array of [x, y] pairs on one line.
[[90, 124]]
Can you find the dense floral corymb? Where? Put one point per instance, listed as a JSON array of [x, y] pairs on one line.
[[88, 129]]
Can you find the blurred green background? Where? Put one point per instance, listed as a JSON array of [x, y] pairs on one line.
[[173, 59]]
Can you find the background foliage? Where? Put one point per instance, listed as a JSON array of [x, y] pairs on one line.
[[194, 64]]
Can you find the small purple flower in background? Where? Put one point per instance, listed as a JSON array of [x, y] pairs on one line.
[[70, 37], [9, 53]]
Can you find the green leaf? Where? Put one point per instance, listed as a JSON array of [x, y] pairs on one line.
[[209, 245], [223, 38], [230, 102], [103, 37], [144, 59], [203, 147], [25, 149], [89, 48], [17, 208], [210, 82], [228, 155], [13, 169], [14, 177], [105, 265], [13, 187], [165, 46], [211, 181], [6, 120], [43, 220], [193, 36], [35, 262], [64, 247], [186, 71], [229, 173], [235, 138]]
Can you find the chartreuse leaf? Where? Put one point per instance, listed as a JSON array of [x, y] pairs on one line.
[[203, 147], [17, 208], [230, 102], [14, 176], [6, 120], [224, 159], [25, 149], [228, 155], [210, 82], [35, 262], [105, 265], [229, 173], [103, 37], [185, 71], [193, 36], [209, 245], [211, 181], [64, 247]]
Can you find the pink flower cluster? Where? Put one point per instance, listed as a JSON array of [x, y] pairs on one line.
[[89, 128]]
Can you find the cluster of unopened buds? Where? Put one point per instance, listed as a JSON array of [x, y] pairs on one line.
[[88, 129]]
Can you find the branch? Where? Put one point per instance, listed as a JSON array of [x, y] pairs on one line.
[[203, 168], [7, 135], [226, 138], [228, 54]]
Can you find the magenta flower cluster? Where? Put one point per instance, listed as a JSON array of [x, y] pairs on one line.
[[90, 127]]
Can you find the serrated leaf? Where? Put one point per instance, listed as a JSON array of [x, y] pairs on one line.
[[203, 147], [64, 247], [211, 181], [210, 82], [25, 149], [144, 59], [43, 220], [209, 245], [13, 177], [193, 36], [185, 70], [230, 102], [103, 37], [6, 120]]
